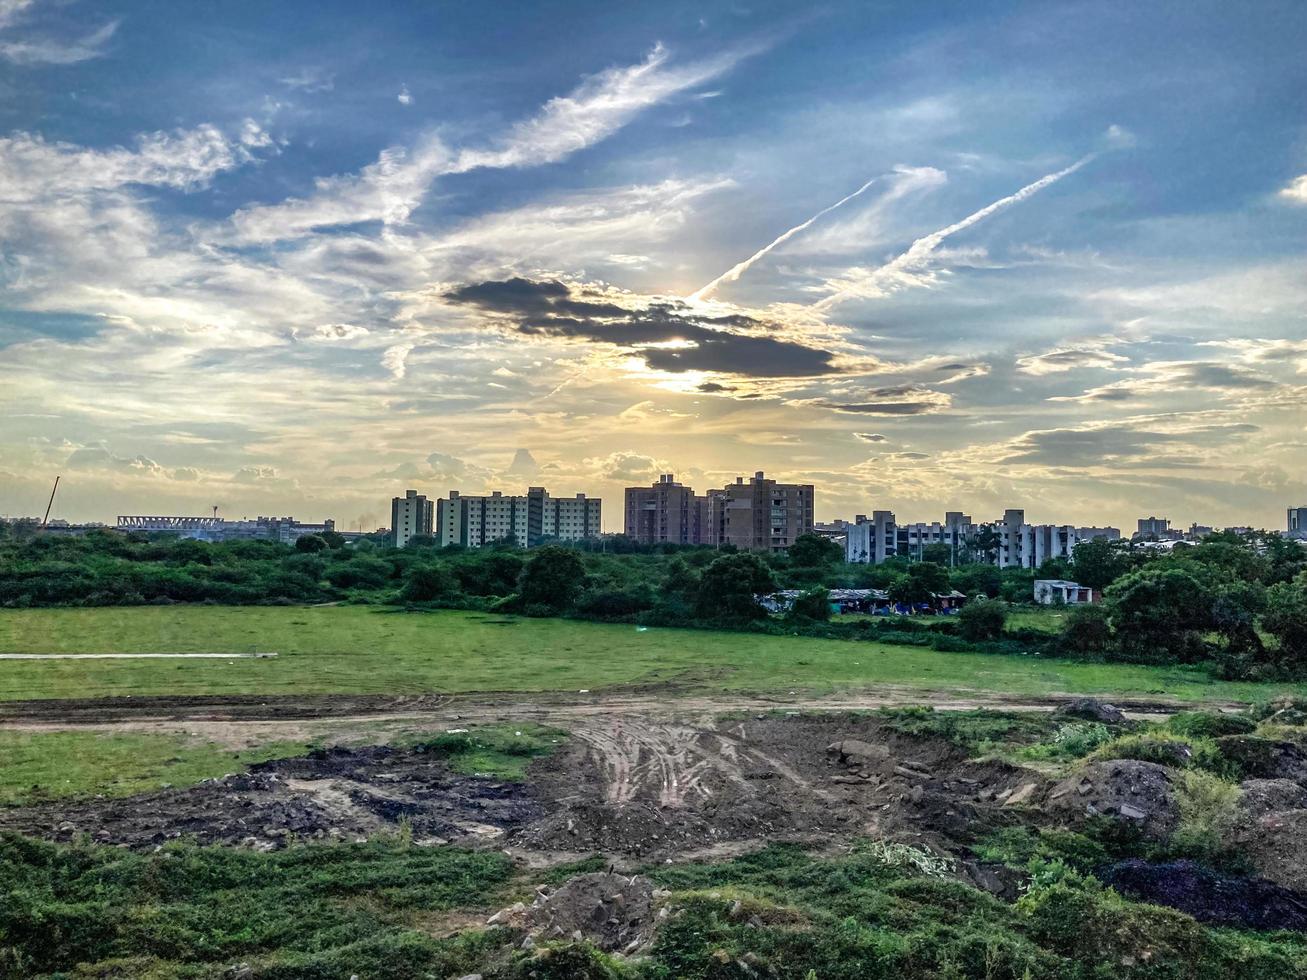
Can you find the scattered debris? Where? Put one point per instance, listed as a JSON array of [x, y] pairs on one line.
[[1138, 792], [1091, 709]]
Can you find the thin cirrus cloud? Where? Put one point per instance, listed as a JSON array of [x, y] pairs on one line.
[[392, 187], [910, 268], [40, 49]]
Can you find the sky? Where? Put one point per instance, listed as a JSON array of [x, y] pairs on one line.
[[295, 258]]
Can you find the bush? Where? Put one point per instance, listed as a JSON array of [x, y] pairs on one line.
[[1208, 812], [811, 605], [1085, 631], [982, 619], [428, 583], [551, 579], [1166, 749], [1204, 724]]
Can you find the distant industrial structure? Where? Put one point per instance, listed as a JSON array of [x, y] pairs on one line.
[[1007, 543], [528, 519], [757, 514], [284, 529]]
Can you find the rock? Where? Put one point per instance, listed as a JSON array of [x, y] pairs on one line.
[[1023, 794], [1124, 789], [1264, 758], [1091, 709], [856, 751], [470, 976]]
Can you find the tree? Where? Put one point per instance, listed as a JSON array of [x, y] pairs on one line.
[[982, 619], [310, 543], [1098, 563], [811, 605], [551, 579], [728, 587], [1086, 631], [1160, 611], [1285, 618], [984, 543], [976, 579], [426, 583], [919, 585], [939, 553], [813, 549]]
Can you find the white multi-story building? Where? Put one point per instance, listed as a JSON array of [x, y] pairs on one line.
[[527, 519], [410, 517], [1016, 544]]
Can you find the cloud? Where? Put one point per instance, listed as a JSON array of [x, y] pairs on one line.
[[906, 268], [904, 399], [395, 359], [100, 457], [34, 50], [740, 268], [1176, 377], [310, 80], [391, 188], [1296, 191], [33, 169], [668, 334], [626, 467], [1062, 359], [870, 436], [405, 97], [338, 331], [523, 464]]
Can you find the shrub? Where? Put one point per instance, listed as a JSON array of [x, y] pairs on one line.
[[1208, 811], [1205, 724], [811, 605], [982, 619], [1085, 631], [1166, 749], [427, 583]]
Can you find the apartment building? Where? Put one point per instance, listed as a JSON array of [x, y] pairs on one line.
[[665, 512], [1015, 544], [528, 519], [410, 517], [1297, 524], [759, 514]]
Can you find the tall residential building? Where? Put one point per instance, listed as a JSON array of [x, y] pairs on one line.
[[1297, 525], [528, 519], [1154, 528], [759, 514], [872, 541], [665, 512], [410, 517]]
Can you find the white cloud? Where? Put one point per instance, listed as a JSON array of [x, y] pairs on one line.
[[395, 359], [405, 97], [910, 267], [1070, 358], [36, 50], [1296, 191], [390, 189]]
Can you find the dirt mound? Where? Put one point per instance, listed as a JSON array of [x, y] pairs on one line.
[[1276, 844], [1263, 796], [1123, 789], [332, 794], [1091, 709], [1264, 758], [1248, 903], [612, 911]]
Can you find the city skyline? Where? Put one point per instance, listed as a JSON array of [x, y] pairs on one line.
[[953, 259]]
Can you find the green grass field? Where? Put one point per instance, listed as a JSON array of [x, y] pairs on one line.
[[356, 649], [58, 765]]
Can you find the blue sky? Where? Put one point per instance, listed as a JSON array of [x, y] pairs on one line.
[[294, 258]]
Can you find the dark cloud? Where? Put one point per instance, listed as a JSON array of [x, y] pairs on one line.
[[902, 399], [554, 309], [1208, 374], [870, 436], [712, 388]]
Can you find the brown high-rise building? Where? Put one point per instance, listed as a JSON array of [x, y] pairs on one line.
[[759, 514], [664, 512]]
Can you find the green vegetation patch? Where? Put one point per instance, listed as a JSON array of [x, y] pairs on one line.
[[39, 766], [306, 912], [972, 730], [498, 751]]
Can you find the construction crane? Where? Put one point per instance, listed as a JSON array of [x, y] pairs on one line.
[[46, 519]]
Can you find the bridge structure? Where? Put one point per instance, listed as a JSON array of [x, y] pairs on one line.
[[141, 522]]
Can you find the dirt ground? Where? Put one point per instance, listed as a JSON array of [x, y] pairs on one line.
[[635, 787]]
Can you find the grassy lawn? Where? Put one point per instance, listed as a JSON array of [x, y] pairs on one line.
[[1048, 619], [356, 649], [55, 765]]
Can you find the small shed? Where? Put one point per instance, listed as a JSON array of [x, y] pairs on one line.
[[1060, 591]]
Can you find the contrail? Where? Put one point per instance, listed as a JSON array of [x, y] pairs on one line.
[[918, 251], [735, 271]]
